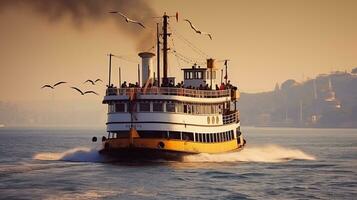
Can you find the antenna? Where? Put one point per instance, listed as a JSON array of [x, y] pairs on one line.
[[110, 68], [158, 54]]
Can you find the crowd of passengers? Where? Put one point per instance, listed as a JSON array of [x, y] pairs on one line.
[[204, 86]]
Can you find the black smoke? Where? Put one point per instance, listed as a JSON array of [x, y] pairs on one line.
[[82, 11]]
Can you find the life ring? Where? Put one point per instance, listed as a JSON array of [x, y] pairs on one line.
[[94, 139]]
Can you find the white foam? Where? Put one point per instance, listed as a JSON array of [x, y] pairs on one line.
[[79, 154], [267, 154]]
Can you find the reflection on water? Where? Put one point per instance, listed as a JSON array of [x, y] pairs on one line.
[[302, 164]]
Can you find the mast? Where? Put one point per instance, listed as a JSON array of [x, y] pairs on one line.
[[139, 74], [110, 68], [119, 86], [165, 48], [158, 54]]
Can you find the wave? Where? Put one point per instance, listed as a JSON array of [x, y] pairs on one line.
[[267, 154], [79, 154]]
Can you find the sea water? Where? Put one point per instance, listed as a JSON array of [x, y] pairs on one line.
[[277, 163]]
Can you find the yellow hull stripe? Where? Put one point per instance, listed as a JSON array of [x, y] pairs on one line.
[[173, 145]]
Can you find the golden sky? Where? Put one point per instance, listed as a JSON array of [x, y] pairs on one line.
[[267, 42]]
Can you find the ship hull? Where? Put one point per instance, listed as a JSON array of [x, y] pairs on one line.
[[126, 149]]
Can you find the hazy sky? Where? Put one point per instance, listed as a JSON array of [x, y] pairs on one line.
[[266, 41]]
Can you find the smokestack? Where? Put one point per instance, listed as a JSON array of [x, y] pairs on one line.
[[147, 70]]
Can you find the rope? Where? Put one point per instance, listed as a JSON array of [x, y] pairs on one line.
[[190, 44]]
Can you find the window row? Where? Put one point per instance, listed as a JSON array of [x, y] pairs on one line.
[[169, 106], [199, 75], [193, 75], [187, 136]]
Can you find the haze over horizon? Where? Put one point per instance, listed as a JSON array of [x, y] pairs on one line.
[[266, 41]]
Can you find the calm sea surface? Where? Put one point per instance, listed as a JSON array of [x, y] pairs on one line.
[[276, 164]]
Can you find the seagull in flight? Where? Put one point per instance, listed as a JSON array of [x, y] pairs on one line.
[[93, 82], [53, 87], [86, 92], [127, 18], [198, 31]]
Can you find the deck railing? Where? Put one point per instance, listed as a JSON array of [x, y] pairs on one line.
[[231, 118], [169, 91]]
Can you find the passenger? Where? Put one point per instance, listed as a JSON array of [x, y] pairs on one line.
[[229, 86], [217, 88], [201, 87], [137, 84], [222, 87], [171, 84], [123, 85], [207, 87]]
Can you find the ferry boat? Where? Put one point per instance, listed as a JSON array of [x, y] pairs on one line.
[[168, 120]]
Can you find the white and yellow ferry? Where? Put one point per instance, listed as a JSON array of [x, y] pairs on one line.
[[170, 120]]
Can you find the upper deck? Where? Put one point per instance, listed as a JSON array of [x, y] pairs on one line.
[[171, 93]]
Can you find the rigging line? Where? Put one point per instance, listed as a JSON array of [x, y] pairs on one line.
[[187, 60], [193, 60], [190, 44], [183, 59], [174, 48]]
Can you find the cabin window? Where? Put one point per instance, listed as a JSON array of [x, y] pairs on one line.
[[120, 107], [175, 135], [152, 134], [209, 138], [185, 108], [158, 107], [144, 107], [238, 132], [170, 107], [204, 137], [111, 108], [224, 136], [200, 137], [187, 136]]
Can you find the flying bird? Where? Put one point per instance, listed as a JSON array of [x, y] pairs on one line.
[[98, 79], [198, 31], [127, 18], [93, 82], [53, 87], [86, 92], [89, 81], [49, 86]]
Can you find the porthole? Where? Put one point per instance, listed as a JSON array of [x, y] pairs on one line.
[[213, 120], [208, 120]]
